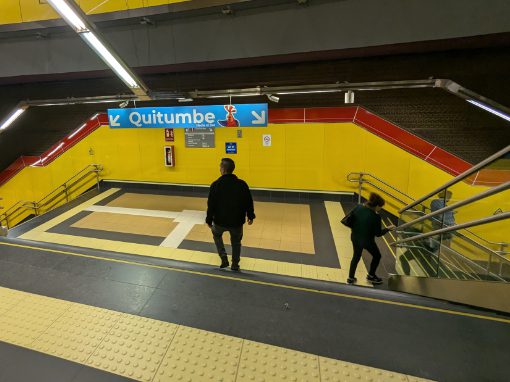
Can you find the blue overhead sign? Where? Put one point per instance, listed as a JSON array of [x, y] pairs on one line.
[[242, 115]]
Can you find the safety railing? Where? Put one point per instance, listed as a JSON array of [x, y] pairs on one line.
[[23, 210], [364, 178], [428, 224]]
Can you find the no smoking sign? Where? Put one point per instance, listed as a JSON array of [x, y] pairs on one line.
[[266, 140]]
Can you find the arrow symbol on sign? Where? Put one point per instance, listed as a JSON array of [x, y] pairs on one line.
[[259, 119], [113, 120]]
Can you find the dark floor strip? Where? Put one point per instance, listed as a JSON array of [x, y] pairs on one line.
[[18, 364]]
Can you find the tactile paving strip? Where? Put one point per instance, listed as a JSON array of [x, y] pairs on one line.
[[28, 319], [148, 350], [134, 347], [261, 362], [77, 333], [333, 370], [199, 355], [10, 298]]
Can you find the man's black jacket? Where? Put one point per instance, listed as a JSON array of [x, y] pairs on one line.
[[229, 202]]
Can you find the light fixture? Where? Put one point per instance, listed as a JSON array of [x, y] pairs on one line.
[[489, 109], [349, 96], [273, 98], [12, 117], [108, 58], [77, 131], [122, 105], [69, 15], [184, 99], [233, 95], [75, 17], [308, 91]]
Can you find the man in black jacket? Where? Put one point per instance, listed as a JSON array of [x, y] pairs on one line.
[[228, 206]]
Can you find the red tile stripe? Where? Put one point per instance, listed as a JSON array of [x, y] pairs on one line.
[[358, 115]]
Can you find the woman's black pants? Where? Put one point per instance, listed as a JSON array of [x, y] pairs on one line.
[[372, 248]]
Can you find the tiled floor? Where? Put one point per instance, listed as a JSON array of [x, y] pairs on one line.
[[159, 226]]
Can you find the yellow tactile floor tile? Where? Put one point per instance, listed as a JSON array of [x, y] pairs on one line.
[[134, 347], [9, 298], [77, 333], [309, 271], [289, 269], [261, 362], [30, 318], [330, 274], [199, 355], [144, 349], [333, 370]]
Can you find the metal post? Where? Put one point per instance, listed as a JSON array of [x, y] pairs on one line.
[[489, 264], [360, 188]]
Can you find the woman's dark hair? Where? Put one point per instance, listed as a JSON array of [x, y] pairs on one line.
[[375, 200]]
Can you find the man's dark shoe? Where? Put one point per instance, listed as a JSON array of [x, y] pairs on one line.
[[374, 279], [235, 268], [224, 262], [351, 280]]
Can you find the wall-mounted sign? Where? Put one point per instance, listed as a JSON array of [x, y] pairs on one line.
[[201, 138], [266, 140], [169, 135], [231, 147], [169, 156], [242, 115]]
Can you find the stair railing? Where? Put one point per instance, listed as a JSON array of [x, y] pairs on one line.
[[12, 215]]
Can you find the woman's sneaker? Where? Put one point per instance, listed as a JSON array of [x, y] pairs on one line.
[[351, 280], [374, 279]]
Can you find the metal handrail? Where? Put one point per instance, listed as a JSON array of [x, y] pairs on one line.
[[458, 178], [481, 195], [457, 227], [62, 189], [473, 223], [66, 186], [360, 180]]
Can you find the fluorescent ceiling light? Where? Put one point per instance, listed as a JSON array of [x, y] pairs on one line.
[[309, 91], [103, 101], [234, 95], [12, 118], [68, 14], [108, 58], [77, 131], [490, 109]]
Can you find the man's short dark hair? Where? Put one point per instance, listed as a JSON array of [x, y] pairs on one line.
[[228, 165]]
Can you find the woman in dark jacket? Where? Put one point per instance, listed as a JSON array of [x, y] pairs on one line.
[[366, 225]]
